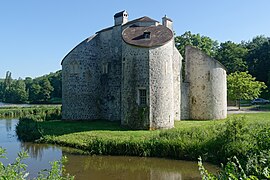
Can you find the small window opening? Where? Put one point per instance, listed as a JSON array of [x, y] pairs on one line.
[[146, 35], [105, 68], [166, 68], [74, 68], [123, 70], [142, 97]]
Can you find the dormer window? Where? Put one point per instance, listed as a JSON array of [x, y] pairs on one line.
[[146, 35]]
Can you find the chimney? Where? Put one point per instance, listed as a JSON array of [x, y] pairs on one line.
[[120, 18], [167, 22]]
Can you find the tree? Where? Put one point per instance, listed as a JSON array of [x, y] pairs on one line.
[[232, 56], [46, 90], [242, 85], [204, 43], [34, 92], [18, 92], [258, 60], [56, 82]]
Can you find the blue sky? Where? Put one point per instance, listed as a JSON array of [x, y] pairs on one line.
[[36, 34]]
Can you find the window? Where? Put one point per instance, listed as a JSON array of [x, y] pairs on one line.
[[105, 68], [166, 68], [146, 35], [74, 67], [123, 70], [142, 97]]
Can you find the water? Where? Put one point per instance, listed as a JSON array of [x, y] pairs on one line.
[[14, 105], [95, 167]]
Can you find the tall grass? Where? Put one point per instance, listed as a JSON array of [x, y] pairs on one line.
[[46, 112]]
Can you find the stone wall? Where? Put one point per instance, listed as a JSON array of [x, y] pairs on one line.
[[92, 78], [185, 101], [177, 66], [135, 76], [207, 81], [161, 77], [81, 74], [110, 51]]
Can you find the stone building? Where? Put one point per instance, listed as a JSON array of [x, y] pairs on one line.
[[131, 72]]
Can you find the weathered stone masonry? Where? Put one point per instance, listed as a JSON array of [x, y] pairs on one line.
[[130, 72]]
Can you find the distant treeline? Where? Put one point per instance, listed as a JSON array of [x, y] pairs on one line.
[[44, 89]]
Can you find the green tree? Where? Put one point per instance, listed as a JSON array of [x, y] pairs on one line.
[[46, 90], [1, 91], [258, 60], [34, 92], [242, 85], [232, 56], [18, 92], [204, 43], [56, 82]]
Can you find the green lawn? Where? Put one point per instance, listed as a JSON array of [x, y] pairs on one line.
[[214, 140]]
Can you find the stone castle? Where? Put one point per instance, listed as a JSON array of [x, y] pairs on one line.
[[132, 72]]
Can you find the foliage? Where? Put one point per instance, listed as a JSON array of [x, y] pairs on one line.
[[242, 85], [254, 157], [38, 90], [232, 56], [204, 43], [257, 167], [18, 170], [258, 57]]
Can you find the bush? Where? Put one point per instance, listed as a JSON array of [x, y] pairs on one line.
[[28, 129], [256, 167]]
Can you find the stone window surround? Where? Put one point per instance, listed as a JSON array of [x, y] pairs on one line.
[[142, 99]]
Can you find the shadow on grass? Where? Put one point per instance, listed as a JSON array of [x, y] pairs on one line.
[[30, 130], [67, 127]]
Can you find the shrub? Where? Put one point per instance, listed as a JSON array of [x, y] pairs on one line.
[[256, 167]]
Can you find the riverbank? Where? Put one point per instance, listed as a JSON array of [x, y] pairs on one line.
[[214, 141]]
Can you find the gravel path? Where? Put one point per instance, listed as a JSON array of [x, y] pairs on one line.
[[234, 110]]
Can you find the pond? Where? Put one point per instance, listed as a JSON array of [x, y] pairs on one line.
[[95, 167]]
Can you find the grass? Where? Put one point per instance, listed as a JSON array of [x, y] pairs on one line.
[[214, 140]]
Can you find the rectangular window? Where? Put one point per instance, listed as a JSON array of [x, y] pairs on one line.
[[142, 97], [105, 68]]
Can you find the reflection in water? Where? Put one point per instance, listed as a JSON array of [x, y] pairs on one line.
[[95, 167], [8, 125], [132, 168], [40, 154], [36, 151]]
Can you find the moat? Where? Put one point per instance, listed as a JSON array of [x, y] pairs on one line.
[[94, 167]]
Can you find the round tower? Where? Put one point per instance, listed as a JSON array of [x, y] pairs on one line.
[[148, 76], [207, 85]]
